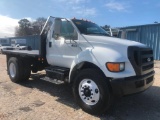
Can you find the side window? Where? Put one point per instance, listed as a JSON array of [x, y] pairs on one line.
[[67, 31]]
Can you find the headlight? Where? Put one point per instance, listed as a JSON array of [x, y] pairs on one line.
[[115, 67]]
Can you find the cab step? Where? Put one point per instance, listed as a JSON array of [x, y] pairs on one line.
[[55, 81], [56, 72]]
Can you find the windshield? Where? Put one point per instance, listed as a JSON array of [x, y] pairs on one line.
[[86, 27]]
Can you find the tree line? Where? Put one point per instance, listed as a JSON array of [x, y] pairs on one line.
[[27, 27]]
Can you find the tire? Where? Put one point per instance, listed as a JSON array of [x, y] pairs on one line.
[[18, 71], [100, 96]]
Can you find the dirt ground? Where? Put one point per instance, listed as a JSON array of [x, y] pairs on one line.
[[40, 100]]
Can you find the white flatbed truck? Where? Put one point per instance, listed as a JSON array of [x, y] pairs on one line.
[[81, 53]]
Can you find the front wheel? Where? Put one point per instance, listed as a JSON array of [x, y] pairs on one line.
[[91, 91]]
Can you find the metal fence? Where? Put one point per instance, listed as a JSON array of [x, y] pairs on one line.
[[146, 34]]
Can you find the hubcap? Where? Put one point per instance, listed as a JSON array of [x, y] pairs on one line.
[[12, 69], [89, 92]]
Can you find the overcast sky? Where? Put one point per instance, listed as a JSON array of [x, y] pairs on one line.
[[116, 13]]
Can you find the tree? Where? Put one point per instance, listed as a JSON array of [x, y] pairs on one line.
[[106, 27], [38, 25], [24, 23], [155, 22], [24, 28], [27, 27]]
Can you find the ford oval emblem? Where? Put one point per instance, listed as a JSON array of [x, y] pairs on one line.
[[148, 59]]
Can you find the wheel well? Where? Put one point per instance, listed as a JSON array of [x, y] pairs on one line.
[[80, 66], [85, 65]]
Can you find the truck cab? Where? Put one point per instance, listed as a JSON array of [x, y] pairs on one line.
[[98, 67]]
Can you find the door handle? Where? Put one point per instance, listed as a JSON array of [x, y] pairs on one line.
[[50, 44]]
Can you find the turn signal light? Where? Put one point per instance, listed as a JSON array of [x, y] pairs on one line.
[[115, 67]]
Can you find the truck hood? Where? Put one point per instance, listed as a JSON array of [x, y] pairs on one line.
[[110, 41]]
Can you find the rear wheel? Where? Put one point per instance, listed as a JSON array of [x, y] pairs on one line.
[[91, 91], [18, 71]]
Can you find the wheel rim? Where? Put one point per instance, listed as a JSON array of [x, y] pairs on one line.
[[89, 92], [12, 69]]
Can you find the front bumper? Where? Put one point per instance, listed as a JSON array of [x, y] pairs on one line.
[[131, 85]]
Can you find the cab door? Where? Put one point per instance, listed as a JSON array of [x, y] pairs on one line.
[[63, 45]]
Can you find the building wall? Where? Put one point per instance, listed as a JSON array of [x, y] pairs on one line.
[[146, 34], [4, 41]]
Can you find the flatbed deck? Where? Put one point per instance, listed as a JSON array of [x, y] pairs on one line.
[[32, 53]]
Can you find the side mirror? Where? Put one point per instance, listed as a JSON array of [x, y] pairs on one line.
[[17, 45], [75, 35], [57, 28]]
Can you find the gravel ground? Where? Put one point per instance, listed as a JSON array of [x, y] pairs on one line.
[[40, 100]]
